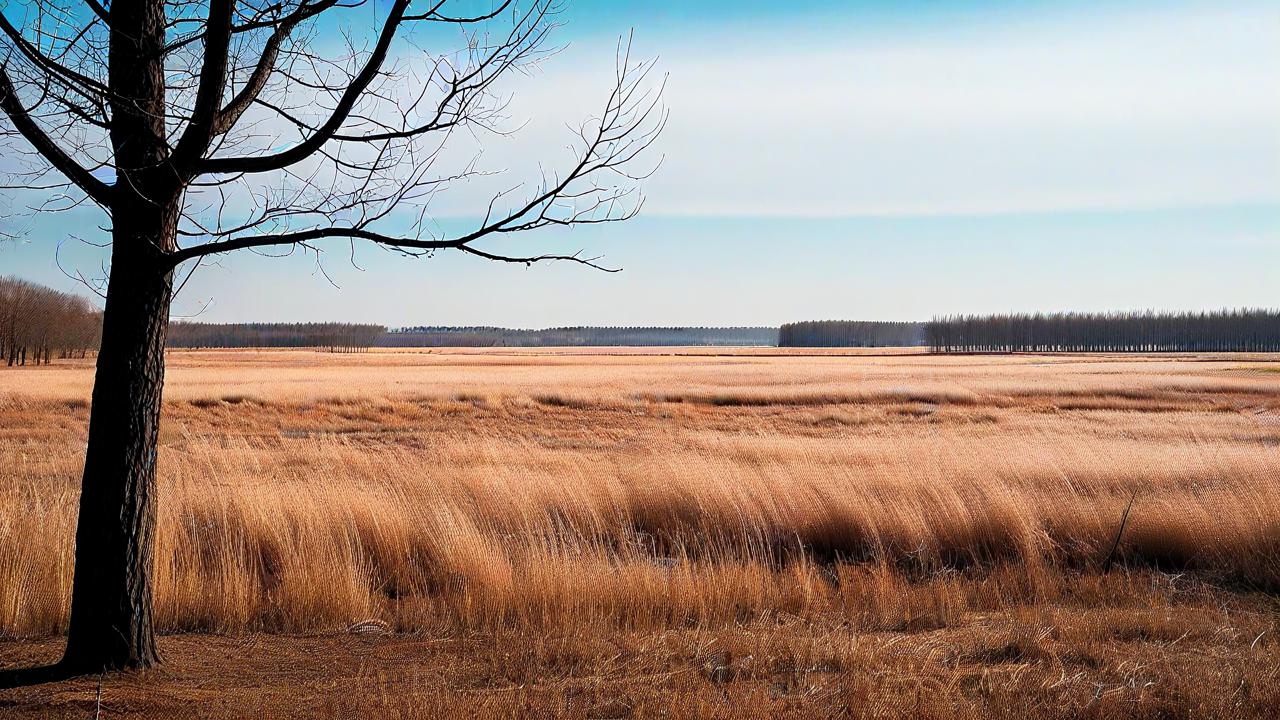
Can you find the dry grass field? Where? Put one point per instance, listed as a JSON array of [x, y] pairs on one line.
[[675, 533]]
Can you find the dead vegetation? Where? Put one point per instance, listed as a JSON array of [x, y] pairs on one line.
[[855, 536]]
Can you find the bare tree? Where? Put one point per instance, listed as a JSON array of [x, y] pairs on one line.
[[205, 126], [36, 320]]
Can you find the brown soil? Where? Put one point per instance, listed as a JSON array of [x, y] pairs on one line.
[[1212, 656]]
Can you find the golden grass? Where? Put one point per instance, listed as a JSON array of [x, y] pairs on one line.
[[577, 495]]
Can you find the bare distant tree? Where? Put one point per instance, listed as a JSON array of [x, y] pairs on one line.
[[35, 321], [200, 127]]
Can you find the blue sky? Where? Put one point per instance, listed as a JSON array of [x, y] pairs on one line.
[[855, 160]]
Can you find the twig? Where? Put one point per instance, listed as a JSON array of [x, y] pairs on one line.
[[1124, 520]]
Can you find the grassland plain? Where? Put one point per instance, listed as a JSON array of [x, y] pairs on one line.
[[672, 533]]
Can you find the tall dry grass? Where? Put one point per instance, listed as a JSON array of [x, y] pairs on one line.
[[303, 492]]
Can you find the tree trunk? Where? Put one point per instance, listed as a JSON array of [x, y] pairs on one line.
[[111, 623], [111, 608]]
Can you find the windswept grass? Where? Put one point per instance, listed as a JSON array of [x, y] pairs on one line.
[[587, 497]]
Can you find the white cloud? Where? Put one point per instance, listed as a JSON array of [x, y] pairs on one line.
[[1120, 110]]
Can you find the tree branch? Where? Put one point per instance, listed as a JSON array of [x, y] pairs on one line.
[[303, 150], [631, 121], [79, 82], [229, 115], [200, 132], [409, 244], [99, 191], [435, 15], [99, 10]]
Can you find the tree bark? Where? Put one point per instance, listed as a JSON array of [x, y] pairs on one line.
[[111, 605]]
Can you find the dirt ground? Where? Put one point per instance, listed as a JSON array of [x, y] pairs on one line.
[[1210, 654]]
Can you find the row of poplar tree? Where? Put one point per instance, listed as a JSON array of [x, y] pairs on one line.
[[1217, 331], [850, 333], [335, 337], [582, 336], [38, 323]]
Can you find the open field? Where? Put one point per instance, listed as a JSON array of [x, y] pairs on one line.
[[634, 533]]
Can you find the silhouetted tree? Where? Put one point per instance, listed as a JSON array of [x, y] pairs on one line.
[[201, 127]]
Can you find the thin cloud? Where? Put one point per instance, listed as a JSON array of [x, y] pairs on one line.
[[1141, 109]]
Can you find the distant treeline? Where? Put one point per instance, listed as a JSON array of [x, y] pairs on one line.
[[1220, 331], [337, 337], [37, 323], [851, 333], [578, 336]]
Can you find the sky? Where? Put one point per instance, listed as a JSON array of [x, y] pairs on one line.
[[859, 160]]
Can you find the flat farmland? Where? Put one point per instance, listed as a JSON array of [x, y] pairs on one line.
[[676, 531]]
